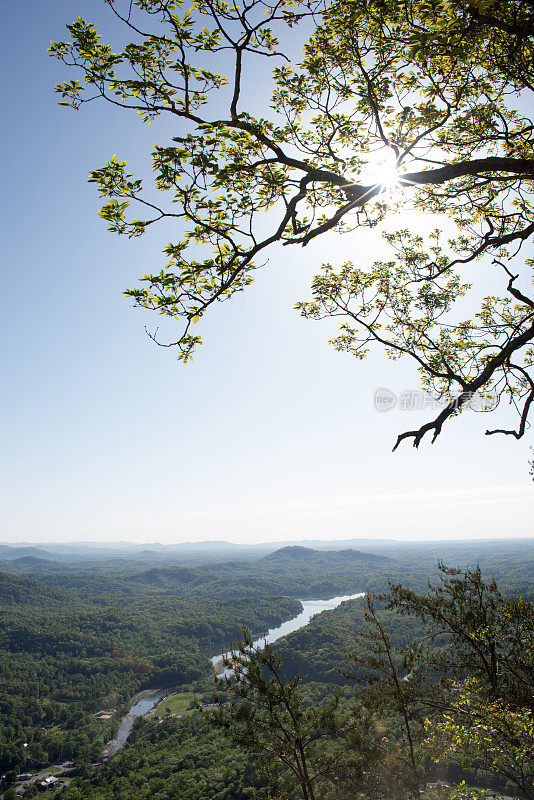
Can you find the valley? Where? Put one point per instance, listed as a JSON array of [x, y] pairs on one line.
[[78, 644]]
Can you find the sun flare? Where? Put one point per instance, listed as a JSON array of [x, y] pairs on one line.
[[381, 171]]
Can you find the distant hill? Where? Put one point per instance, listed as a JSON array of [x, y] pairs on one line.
[[292, 571], [164, 577], [31, 565], [34, 564], [323, 557], [11, 553], [291, 551]]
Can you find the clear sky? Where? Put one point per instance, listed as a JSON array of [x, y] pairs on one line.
[[269, 434]]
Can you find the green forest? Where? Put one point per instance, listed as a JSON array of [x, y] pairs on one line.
[[72, 648], [67, 653]]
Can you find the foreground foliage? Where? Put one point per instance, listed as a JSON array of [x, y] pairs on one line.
[[296, 746], [400, 105], [485, 716]]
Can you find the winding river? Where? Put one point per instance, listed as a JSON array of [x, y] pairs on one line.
[[146, 701], [143, 703], [309, 609]]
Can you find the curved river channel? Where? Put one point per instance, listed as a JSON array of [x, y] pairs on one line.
[[309, 609], [147, 700]]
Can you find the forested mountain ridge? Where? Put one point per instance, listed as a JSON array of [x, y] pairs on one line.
[[295, 553], [8, 552], [293, 571], [120, 559]]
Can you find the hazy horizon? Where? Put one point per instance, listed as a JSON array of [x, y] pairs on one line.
[[494, 512], [214, 542]]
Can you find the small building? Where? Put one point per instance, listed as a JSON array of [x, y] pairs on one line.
[[103, 716], [47, 782]]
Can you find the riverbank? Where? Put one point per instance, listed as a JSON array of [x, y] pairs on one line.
[[310, 608], [143, 702]]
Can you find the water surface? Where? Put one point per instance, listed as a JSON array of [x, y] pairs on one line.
[[309, 609], [139, 709]]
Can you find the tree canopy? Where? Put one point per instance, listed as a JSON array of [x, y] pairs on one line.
[[393, 106]]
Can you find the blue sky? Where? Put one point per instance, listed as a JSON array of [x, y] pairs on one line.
[[269, 434]]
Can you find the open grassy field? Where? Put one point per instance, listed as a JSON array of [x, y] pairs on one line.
[[175, 704]]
